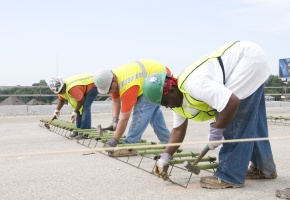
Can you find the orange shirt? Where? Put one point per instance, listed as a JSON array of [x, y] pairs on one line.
[[129, 98], [79, 91]]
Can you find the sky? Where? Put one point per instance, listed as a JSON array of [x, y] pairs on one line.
[[40, 39]]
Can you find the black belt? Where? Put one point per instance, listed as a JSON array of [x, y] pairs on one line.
[[223, 69]]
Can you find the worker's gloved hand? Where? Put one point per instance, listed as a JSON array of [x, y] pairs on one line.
[[112, 126], [73, 117], [56, 113], [162, 165], [111, 143], [215, 134], [114, 123]]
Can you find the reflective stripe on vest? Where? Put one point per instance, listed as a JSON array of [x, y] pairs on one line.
[[84, 79], [205, 111], [131, 78]]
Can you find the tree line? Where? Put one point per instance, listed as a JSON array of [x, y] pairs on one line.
[[272, 81], [275, 81], [40, 88]]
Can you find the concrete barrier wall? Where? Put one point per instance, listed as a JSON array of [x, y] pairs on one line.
[[97, 107], [277, 104]]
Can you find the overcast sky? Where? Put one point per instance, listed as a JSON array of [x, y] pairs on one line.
[[40, 39]]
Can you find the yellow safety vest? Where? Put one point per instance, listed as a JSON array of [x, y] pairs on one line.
[[82, 79], [205, 111], [134, 73]]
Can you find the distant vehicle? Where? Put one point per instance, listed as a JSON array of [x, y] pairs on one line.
[[284, 68]]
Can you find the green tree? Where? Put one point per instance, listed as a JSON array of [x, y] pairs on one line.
[[275, 81], [41, 83], [39, 88], [46, 90]]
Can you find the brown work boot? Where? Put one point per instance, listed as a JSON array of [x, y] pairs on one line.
[[254, 173], [123, 153], [283, 194], [212, 182]]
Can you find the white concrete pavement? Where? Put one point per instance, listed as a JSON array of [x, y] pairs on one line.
[[97, 176]]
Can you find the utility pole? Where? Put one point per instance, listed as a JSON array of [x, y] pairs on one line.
[[56, 64]]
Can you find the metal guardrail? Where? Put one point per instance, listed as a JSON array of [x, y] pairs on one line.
[[50, 95], [38, 95], [33, 95], [28, 95], [23, 87]]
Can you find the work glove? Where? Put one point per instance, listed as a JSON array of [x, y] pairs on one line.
[[112, 126], [73, 117], [114, 123], [215, 134], [162, 165], [111, 143], [56, 113]]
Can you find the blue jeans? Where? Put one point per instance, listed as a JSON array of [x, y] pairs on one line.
[[144, 113], [249, 122], [84, 120]]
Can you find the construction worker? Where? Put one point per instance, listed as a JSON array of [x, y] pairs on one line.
[[125, 85], [80, 91], [227, 86]]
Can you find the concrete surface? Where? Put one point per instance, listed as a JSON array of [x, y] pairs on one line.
[[97, 176]]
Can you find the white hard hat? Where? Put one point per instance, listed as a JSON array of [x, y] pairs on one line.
[[103, 80], [56, 84]]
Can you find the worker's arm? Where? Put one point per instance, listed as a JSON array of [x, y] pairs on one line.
[[116, 107], [223, 120], [122, 125], [228, 113], [79, 105], [177, 136], [128, 99], [60, 104], [78, 93]]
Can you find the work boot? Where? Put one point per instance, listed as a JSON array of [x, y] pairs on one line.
[[212, 182], [283, 194], [123, 153], [73, 134], [254, 173], [80, 137]]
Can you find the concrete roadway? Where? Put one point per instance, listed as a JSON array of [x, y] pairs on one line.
[[97, 176]]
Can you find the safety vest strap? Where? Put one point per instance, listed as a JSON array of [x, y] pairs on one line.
[[214, 55], [223, 69]]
